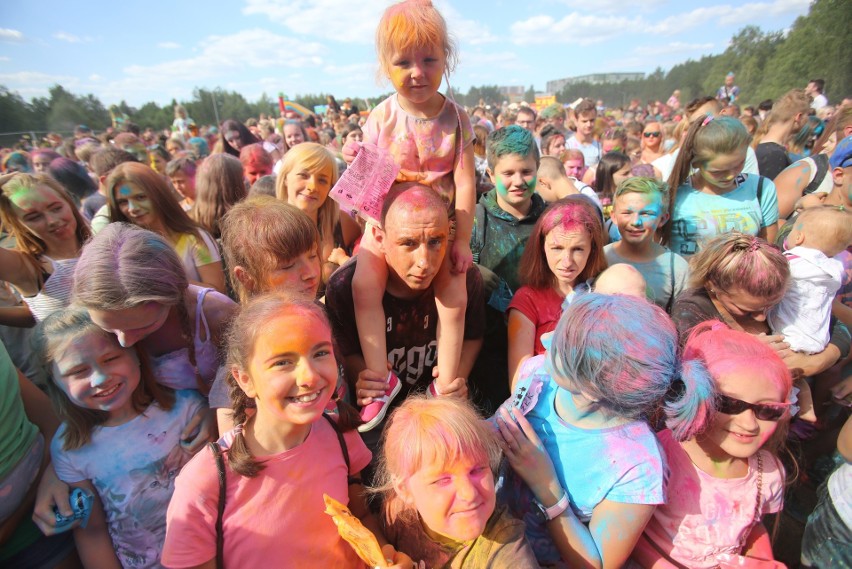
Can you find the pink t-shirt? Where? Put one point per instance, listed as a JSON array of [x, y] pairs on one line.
[[426, 150], [706, 516], [275, 517], [542, 306]]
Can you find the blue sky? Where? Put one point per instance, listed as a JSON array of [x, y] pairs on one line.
[[158, 50]]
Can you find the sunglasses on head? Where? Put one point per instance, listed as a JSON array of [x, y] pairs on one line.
[[764, 412], [650, 134]]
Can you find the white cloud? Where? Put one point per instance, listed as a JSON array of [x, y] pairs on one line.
[[95, 77], [323, 19], [35, 82], [467, 31], [10, 35], [5, 58], [574, 28], [727, 15], [736, 15], [71, 38], [217, 61], [168, 45]]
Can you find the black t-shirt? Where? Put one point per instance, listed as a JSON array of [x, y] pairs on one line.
[[772, 158], [411, 326]]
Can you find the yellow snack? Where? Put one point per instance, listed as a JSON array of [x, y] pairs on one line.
[[354, 533]]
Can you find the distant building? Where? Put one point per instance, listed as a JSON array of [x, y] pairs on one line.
[[594, 79], [513, 93]]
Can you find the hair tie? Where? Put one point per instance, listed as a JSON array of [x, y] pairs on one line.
[[707, 120], [238, 430], [676, 390], [755, 245]]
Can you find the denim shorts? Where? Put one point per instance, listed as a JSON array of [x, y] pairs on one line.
[[827, 541]]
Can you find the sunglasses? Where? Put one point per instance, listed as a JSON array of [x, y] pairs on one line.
[[764, 412], [650, 134]]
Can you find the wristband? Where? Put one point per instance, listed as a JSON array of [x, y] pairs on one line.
[[555, 510]]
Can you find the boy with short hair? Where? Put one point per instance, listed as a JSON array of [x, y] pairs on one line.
[[554, 184], [503, 221], [638, 211], [583, 140]]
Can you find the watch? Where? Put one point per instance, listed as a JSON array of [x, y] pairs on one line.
[[554, 511]]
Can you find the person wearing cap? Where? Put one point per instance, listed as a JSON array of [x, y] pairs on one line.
[[841, 174], [728, 92]]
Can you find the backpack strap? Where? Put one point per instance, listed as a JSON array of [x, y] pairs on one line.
[[220, 511], [759, 188], [350, 479], [672, 281], [821, 162], [477, 240]]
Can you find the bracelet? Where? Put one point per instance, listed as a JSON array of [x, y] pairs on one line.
[[556, 509]]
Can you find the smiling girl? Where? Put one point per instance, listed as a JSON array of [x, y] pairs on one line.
[[278, 462], [708, 195], [48, 231], [307, 174], [138, 195], [437, 477], [725, 479], [120, 440]]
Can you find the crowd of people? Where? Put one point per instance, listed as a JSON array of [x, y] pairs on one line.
[[561, 337]]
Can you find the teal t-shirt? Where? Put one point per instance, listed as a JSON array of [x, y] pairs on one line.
[[698, 216]]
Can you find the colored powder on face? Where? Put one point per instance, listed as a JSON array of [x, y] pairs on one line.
[[125, 190]]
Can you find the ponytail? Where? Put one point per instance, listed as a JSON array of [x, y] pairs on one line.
[[688, 405]]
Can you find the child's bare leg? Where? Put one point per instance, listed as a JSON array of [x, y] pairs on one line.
[[805, 401], [451, 301], [368, 289]]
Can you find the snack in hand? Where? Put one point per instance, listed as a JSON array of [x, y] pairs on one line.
[[354, 533]]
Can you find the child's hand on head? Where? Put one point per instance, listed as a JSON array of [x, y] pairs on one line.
[[815, 199], [350, 151], [460, 256]]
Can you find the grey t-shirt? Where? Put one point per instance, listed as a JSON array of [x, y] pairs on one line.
[[665, 276]]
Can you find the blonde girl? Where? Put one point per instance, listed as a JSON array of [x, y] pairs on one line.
[[436, 476], [307, 174], [48, 231], [709, 195], [725, 478], [563, 253], [120, 440], [431, 139], [279, 461], [140, 196]]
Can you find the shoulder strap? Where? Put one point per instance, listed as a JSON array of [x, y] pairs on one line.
[[821, 163], [220, 469], [480, 220], [350, 479], [759, 188], [672, 281]]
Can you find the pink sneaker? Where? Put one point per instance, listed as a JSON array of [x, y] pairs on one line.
[[373, 413]]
